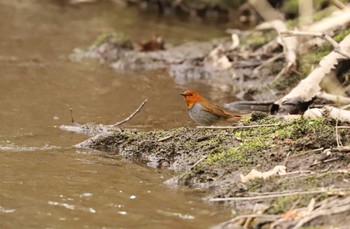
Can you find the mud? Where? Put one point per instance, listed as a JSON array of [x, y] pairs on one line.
[[214, 158]]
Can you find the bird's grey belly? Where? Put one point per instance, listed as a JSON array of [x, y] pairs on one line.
[[201, 116]]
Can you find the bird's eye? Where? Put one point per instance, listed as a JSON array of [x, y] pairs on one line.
[[190, 94]]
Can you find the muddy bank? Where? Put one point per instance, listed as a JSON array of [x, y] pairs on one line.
[[200, 62], [214, 159]]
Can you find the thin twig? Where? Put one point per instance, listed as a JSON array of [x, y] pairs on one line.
[[267, 62], [345, 107], [339, 144], [71, 114], [130, 116], [165, 138], [335, 210], [325, 161], [199, 161], [236, 127], [343, 127], [323, 190], [338, 4], [306, 152], [342, 149]]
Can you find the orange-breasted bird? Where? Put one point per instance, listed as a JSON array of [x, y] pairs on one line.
[[204, 112]]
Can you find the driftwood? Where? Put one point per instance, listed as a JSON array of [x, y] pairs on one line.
[[265, 10], [328, 112], [310, 87], [305, 11], [339, 18]]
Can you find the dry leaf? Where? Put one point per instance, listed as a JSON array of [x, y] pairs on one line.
[[289, 215], [254, 174]]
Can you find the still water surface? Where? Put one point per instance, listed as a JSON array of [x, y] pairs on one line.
[[46, 183]]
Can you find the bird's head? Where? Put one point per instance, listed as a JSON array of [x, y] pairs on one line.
[[191, 97]]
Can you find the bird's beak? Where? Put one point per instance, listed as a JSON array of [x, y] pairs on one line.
[[183, 94]]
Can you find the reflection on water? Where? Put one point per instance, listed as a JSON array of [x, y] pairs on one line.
[[44, 181]]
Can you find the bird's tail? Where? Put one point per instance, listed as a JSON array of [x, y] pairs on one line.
[[234, 117], [249, 106]]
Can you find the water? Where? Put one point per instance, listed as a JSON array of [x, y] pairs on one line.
[[44, 181]]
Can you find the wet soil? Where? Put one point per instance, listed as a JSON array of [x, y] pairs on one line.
[[214, 159]]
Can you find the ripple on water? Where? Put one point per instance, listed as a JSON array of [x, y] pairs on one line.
[[71, 206], [3, 210], [16, 148]]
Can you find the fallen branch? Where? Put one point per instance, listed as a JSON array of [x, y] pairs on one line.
[[338, 4], [342, 148], [339, 18], [334, 98], [328, 112]]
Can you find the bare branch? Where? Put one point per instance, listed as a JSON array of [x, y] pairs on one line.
[[338, 4], [130, 116], [71, 114]]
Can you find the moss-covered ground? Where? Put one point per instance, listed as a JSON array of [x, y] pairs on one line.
[[214, 158]]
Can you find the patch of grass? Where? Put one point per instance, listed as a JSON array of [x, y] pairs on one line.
[[258, 39]]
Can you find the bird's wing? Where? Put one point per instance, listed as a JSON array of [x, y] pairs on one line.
[[218, 111]]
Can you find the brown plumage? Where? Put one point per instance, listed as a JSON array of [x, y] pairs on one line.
[[203, 112]]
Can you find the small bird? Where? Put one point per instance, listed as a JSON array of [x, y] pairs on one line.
[[204, 112]]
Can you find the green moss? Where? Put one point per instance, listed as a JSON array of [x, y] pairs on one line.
[[256, 141], [291, 6], [112, 37], [320, 15], [280, 204], [314, 56], [283, 83], [340, 36], [257, 39]]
